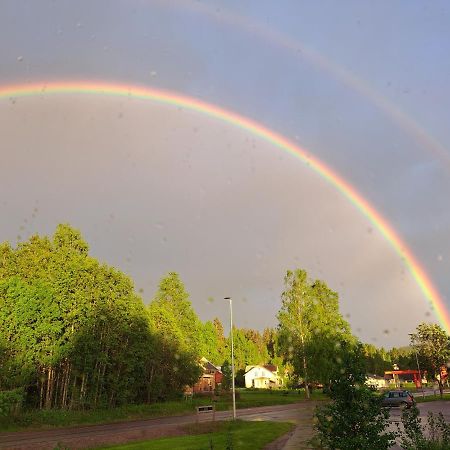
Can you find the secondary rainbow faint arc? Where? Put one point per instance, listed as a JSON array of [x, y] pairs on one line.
[[171, 98]]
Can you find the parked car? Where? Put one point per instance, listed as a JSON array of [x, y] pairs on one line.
[[399, 398]]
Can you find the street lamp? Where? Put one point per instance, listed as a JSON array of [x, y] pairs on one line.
[[232, 357]]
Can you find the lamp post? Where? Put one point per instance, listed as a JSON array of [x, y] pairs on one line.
[[232, 357]]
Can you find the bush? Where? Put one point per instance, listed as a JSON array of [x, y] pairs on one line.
[[11, 402], [434, 435], [354, 420]]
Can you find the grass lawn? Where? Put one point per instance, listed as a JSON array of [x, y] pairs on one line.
[[63, 418], [430, 398], [250, 398], [220, 435]]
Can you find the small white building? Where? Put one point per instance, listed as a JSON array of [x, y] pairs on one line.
[[375, 381], [262, 377]]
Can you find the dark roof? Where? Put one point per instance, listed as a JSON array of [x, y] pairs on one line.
[[271, 367], [210, 366]]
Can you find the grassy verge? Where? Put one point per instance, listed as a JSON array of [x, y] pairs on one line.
[[430, 398], [220, 435], [62, 418]]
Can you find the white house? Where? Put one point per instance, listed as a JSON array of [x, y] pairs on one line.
[[262, 377], [376, 381]]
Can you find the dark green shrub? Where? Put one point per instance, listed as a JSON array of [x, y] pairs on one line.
[[434, 435], [354, 420], [11, 402]]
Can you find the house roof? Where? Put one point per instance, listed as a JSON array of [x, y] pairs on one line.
[[271, 367], [375, 377], [250, 368], [208, 365]]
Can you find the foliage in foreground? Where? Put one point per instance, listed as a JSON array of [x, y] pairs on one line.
[[434, 435], [354, 420], [222, 435]]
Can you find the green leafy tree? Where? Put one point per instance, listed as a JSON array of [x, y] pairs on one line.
[[432, 343], [227, 375], [180, 334], [74, 334], [403, 357], [377, 360], [249, 348], [210, 343], [173, 298], [311, 328], [354, 419]]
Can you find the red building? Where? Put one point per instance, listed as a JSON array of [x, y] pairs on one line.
[[210, 378], [397, 376]]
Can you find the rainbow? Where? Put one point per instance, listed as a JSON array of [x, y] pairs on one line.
[[298, 49], [171, 98]]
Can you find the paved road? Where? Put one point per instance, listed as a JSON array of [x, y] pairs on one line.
[[89, 436], [434, 407]]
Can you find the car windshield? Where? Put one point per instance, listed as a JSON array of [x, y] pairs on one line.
[[251, 184]]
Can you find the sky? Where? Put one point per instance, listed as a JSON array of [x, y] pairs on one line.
[[362, 86]]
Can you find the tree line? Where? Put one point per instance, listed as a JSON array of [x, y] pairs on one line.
[[75, 334]]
